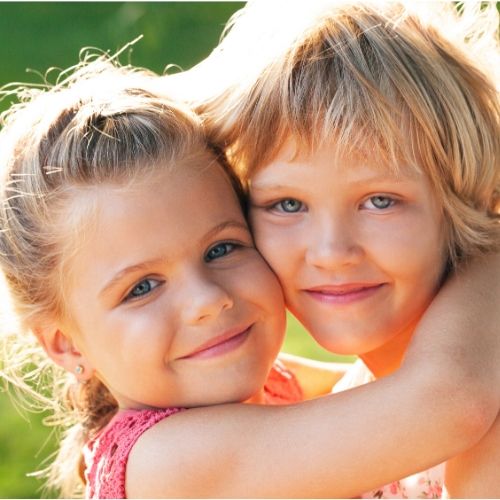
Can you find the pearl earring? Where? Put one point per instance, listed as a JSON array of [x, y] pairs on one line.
[[79, 369]]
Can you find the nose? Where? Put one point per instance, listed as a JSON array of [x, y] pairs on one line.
[[204, 301], [333, 243]]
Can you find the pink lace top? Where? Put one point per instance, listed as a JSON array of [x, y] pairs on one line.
[[106, 455]]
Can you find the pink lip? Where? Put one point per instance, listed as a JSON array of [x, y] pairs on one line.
[[220, 344], [343, 294]]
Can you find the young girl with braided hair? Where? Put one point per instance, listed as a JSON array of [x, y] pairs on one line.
[[127, 256]]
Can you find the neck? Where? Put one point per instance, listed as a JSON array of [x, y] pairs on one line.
[[387, 358]]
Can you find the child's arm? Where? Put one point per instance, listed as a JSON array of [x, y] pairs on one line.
[[476, 473], [438, 404], [316, 378], [463, 321]]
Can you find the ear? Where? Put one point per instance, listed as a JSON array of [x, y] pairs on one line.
[[61, 349]]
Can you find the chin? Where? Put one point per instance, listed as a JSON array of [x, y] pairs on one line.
[[346, 343]]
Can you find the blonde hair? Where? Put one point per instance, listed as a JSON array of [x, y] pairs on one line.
[[101, 124], [412, 84]]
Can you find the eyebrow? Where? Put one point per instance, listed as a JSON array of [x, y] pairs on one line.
[[225, 225], [143, 266]]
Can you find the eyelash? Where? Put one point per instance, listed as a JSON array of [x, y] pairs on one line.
[[226, 245], [131, 296]]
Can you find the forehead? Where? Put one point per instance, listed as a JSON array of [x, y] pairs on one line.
[[159, 216], [176, 193], [296, 154]]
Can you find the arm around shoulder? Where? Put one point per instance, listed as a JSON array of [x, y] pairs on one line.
[[326, 447], [458, 343], [475, 473], [185, 455]]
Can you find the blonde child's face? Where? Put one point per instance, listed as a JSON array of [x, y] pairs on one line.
[[359, 252], [170, 302]]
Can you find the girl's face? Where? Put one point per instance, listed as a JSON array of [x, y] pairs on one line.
[[170, 303], [359, 251]]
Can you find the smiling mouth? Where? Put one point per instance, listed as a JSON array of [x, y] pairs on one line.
[[343, 294], [221, 344]]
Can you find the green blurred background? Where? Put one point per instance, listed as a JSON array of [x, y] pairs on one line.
[[38, 36]]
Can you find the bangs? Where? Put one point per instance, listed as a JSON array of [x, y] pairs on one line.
[[399, 85], [331, 88], [373, 84]]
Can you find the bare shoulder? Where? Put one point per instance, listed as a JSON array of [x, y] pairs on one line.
[[183, 455]]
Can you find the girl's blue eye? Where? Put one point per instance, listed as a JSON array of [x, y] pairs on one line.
[[290, 205], [380, 202], [218, 251], [142, 288]]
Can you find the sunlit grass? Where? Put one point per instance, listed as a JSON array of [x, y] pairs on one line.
[[24, 444]]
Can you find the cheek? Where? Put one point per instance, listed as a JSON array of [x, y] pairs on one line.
[[415, 258], [262, 283], [278, 248], [126, 334], [412, 246], [258, 289]]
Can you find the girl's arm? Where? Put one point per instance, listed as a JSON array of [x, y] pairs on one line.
[[476, 472], [438, 404], [316, 378]]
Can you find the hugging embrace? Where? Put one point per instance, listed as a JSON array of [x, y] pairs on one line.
[[154, 229]]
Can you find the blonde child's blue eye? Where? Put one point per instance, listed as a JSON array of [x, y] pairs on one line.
[[218, 251], [142, 288], [290, 205], [381, 202]]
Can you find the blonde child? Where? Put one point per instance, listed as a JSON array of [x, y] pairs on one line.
[[368, 136], [127, 255]]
